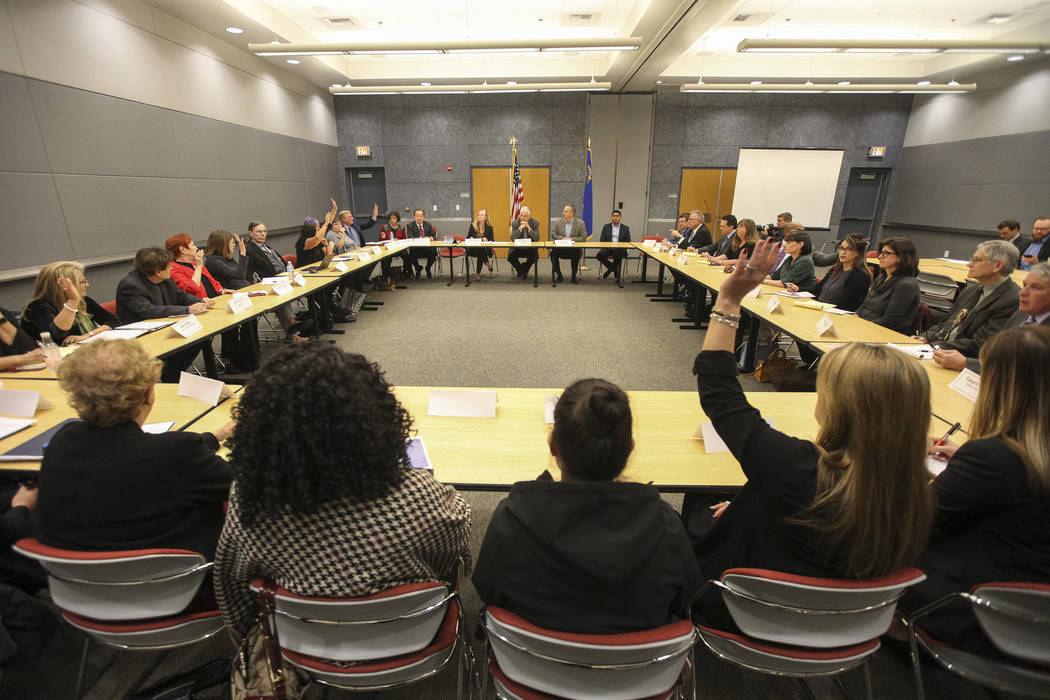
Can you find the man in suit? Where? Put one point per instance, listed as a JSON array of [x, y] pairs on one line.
[[418, 228], [355, 231], [1033, 304], [1010, 231], [613, 232], [697, 236], [568, 228], [148, 292], [1039, 249], [524, 227], [984, 308]]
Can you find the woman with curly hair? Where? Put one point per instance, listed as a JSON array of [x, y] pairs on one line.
[[105, 484], [327, 511]]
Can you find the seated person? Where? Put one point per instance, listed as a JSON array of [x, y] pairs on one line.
[[852, 504], [745, 238], [17, 502], [589, 553], [418, 227], [107, 485], [60, 306], [313, 244], [226, 259], [893, 298], [612, 258], [828, 259], [265, 261], [796, 273], [147, 292], [188, 271], [990, 523], [984, 308], [522, 259], [16, 347], [390, 231], [481, 228], [846, 284], [1033, 309], [569, 228], [726, 229], [680, 229], [326, 511]]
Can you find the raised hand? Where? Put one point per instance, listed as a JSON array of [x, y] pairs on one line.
[[69, 289]]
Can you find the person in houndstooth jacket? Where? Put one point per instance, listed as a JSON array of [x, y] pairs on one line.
[[323, 502]]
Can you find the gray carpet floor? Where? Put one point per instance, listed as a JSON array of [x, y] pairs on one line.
[[500, 332]]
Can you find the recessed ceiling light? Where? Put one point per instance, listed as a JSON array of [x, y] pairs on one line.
[[512, 82], [1015, 58], [843, 82], [235, 30], [923, 82], [425, 84], [953, 83], [659, 82], [293, 61], [336, 85], [756, 82]]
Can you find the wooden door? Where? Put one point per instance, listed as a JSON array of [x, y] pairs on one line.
[[491, 191], [710, 190]]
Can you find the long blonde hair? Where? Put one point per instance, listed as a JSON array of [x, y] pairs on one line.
[[1013, 403], [872, 494], [750, 234], [478, 228], [46, 288]]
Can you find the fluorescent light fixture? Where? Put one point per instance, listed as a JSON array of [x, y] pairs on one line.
[[512, 82], [923, 82], [511, 86], [843, 82], [888, 46], [632, 43], [235, 30], [756, 82], [1015, 58], [425, 84], [844, 86], [293, 61]]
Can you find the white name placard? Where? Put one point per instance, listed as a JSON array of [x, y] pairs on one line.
[[239, 302], [754, 292], [341, 266], [187, 326], [281, 288], [825, 326], [683, 259], [522, 241], [299, 279], [967, 383], [774, 305]]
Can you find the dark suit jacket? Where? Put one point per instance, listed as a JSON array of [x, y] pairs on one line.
[[696, 239], [1022, 243], [533, 232], [487, 233], [625, 233], [120, 488], [139, 299], [1044, 252], [980, 321], [39, 317], [258, 263], [415, 231], [974, 364]]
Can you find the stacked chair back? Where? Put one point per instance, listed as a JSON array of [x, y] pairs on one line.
[[395, 637], [1015, 617], [531, 662]]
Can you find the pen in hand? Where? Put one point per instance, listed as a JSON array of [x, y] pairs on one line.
[[951, 431]]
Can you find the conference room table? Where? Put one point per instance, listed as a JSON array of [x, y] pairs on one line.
[[168, 406], [959, 270]]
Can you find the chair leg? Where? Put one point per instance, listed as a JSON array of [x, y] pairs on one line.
[[866, 669], [806, 689], [916, 664], [80, 670]]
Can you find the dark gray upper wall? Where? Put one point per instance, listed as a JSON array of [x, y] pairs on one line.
[[708, 130], [414, 138], [86, 176]]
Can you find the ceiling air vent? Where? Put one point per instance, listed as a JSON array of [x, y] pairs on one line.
[[741, 18], [341, 22], [580, 19]]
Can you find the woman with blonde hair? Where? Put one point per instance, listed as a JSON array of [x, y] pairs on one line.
[[481, 228], [105, 484], [993, 496], [744, 239], [60, 306], [851, 504]]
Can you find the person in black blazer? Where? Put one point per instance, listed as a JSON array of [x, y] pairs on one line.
[[60, 306], [418, 228], [481, 228], [848, 291], [612, 258], [1038, 249], [993, 496], [1010, 231], [893, 299], [17, 348], [107, 485], [697, 236], [522, 259]]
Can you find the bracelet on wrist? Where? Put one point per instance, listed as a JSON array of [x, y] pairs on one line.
[[67, 307], [728, 319]]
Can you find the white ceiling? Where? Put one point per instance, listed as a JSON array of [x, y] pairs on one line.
[[682, 40]]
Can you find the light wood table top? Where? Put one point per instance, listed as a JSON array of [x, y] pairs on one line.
[[959, 271], [168, 407]]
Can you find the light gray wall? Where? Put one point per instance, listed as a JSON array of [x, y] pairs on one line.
[[620, 128], [707, 131], [414, 138]]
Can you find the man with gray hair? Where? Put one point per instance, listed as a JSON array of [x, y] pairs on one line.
[[981, 309], [521, 258]]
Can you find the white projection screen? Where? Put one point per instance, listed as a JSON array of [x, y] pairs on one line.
[[772, 180]]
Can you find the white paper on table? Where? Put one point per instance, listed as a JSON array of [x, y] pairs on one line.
[[341, 266], [548, 408], [239, 302], [796, 295], [364, 257], [522, 241], [282, 287], [10, 426], [682, 259], [186, 326], [299, 279], [712, 442], [967, 383], [158, 428], [202, 388], [934, 466], [840, 312], [472, 241], [462, 403], [959, 262], [919, 352], [21, 403], [114, 334], [754, 292], [273, 280], [30, 368], [774, 305], [144, 326], [338, 258], [563, 241], [825, 326], [650, 243]]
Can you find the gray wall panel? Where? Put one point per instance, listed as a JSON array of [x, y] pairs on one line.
[[415, 164], [90, 134], [811, 127], [496, 124], [569, 163], [23, 149], [318, 195], [210, 149], [667, 127], [425, 126], [32, 228], [322, 162], [112, 215], [231, 204]]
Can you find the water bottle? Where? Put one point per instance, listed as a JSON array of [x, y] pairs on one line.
[[289, 269], [52, 355]]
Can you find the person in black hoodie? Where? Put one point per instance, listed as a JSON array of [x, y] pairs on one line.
[[589, 553]]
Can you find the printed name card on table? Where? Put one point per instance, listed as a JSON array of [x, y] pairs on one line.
[[683, 259], [239, 302], [299, 279], [967, 383], [341, 266], [283, 287], [186, 326], [202, 388], [364, 257], [549, 402], [522, 241], [563, 241], [712, 442], [464, 404], [22, 404], [774, 305], [272, 280], [651, 243], [754, 292], [472, 241], [825, 326]]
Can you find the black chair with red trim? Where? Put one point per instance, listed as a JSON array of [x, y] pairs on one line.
[[1015, 618], [136, 600], [387, 640], [803, 626]]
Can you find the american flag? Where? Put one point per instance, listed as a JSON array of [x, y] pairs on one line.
[[517, 192]]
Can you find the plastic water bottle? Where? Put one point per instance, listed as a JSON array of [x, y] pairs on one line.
[[289, 269], [52, 355]]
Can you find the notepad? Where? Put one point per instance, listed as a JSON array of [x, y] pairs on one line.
[[934, 466], [465, 404], [115, 334], [158, 428], [32, 450], [10, 426], [921, 352], [145, 326], [796, 295], [815, 305]]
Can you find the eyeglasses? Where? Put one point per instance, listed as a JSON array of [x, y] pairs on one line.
[[845, 248], [886, 253], [974, 259]]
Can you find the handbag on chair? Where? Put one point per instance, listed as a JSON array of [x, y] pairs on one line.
[[777, 361], [258, 671]]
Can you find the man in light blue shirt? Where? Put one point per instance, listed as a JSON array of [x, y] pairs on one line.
[[1039, 249], [611, 258]]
